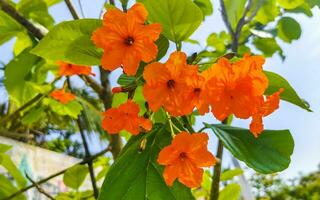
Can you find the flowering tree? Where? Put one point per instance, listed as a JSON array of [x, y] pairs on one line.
[[148, 120]]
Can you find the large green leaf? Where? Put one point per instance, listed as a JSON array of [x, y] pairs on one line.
[[75, 176], [8, 27], [52, 2], [136, 174], [234, 10], [4, 148], [71, 42], [230, 192], [178, 18], [268, 46], [7, 163], [7, 188], [18, 80], [269, 153], [289, 94], [229, 174], [288, 29], [290, 4]]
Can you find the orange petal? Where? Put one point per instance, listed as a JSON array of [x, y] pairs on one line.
[[170, 174], [149, 51], [113, 121], [155, 72], [190, 175], [168, 155], [138, 12], [146, 124], [130, 62], [111, 60], [155, 96], [272, 103], [256, 125]]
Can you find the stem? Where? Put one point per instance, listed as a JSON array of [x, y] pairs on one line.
[[10, 10], [170, 124], [215, 184], [187, 124], [84, 161], [40, 189], [72, 9]]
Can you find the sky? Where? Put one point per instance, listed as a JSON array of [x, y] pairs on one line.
[[301, 68]]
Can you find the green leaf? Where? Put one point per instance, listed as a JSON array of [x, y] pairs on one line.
[[4, 148], [7, 188], [7, 163], [18, 77], [163, 45], [71, 42], [34, 115], [52, 2], [178, 18], [23, 42], [269, 153], [205, 6], [268, 46], [75, 176], [72, 108], [304, 8], [235, 11], [136, 173], [229, 174], [230, 192], [289, 94], [290, 4], [35, 10], [8, 27], [267, 12], [288, 29], [219, 41]]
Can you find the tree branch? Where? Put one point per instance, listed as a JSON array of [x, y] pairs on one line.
[[84, 161], [10, 10], [72, 9], [41, 190], [225, 17]]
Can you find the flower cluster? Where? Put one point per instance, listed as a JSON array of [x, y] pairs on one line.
[[125, 117], [226, 88]]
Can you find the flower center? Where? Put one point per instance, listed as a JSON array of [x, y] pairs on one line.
[[183, 156], [171, 83], [129, 41], [197, 91]]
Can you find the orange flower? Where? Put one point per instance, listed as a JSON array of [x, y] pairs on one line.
[[238, 88], [185, 157], [62, 96], [166, 85], [67, 69], [125, 117], [126, 40]]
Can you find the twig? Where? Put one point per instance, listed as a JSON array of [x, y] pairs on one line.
[[72, 9], [225, 17], [84, 161], [81, 8], [41, 190], [10, 10], [93, 84], [86, 149], [187, 124]]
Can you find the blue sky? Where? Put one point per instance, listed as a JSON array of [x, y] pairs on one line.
[[301, 68]]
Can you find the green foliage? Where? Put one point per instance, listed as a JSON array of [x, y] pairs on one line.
[[71, 42], [269, 153], [34, 115], [72, 108], [230, 192], [35, 10], [7, 188], [52, 2], [4, 148], [290, 4], [163, 45], [18, 82], [7, 163], [268, 46], [75, 176], [141, 176], [268, 11], [219, 41], [9, 27], [235, 11], [289, 94], [288, 29], [178, 18], [205, 6], [230, 174]]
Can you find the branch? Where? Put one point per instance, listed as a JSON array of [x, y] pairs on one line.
[[84, 161], [86, 149], [225, 17], [41, 190], [72, 9], [10, 10], [214, 194], [93, 84]]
